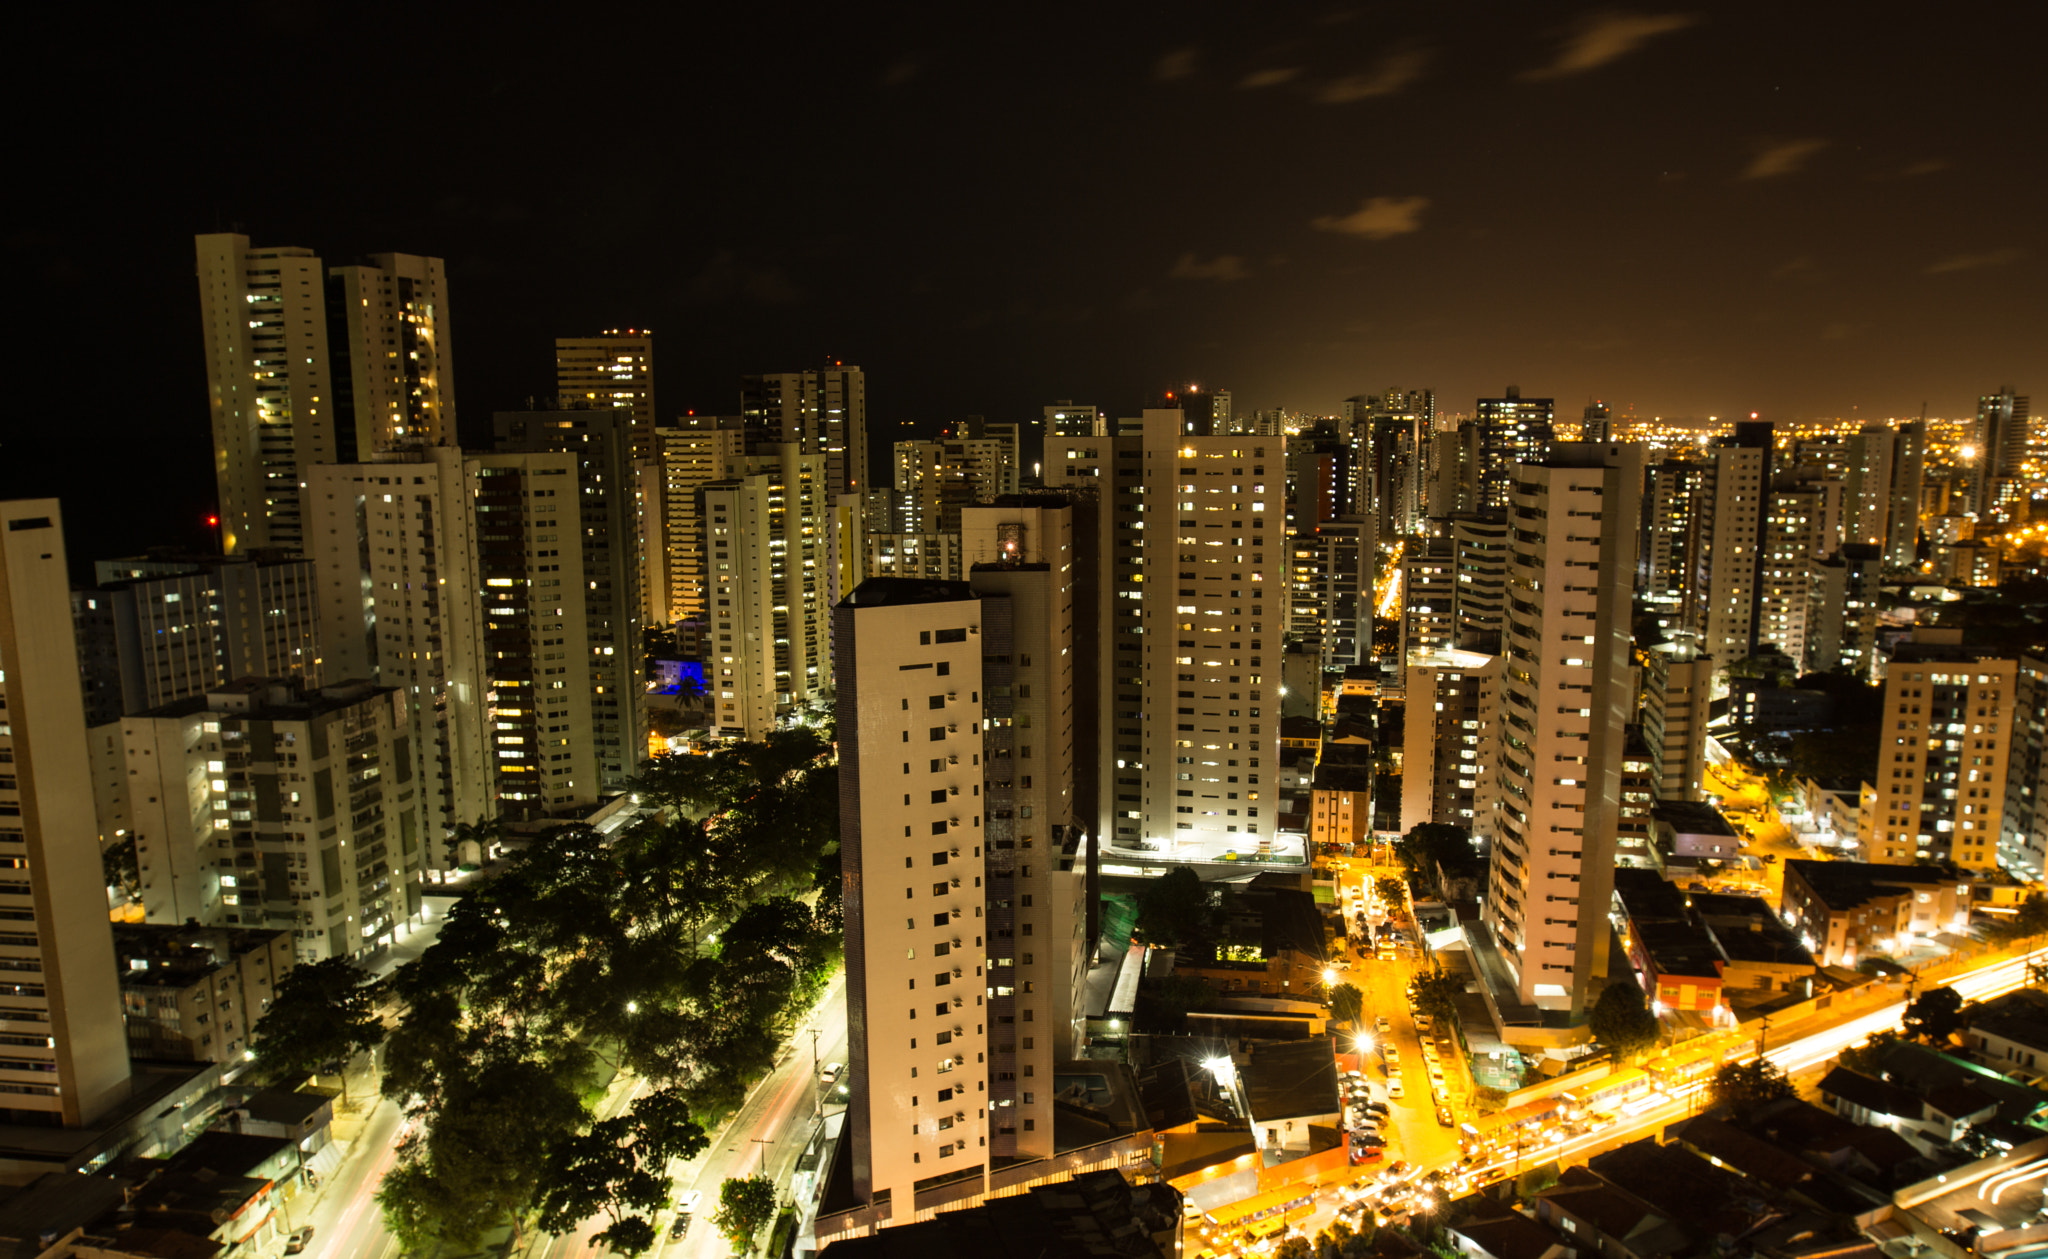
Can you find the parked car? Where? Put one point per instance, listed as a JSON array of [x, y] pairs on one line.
[[1443, 1117], [1382, 1024], [299, 1239], [1394, 1089], [830, 1076]]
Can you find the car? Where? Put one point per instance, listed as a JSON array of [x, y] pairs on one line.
[[1371, 1140], [1382, 1024], [830, 1076], [299, 1239], [1394, 1089], [1393, 1056], [686, 1210], [1377, 1108]]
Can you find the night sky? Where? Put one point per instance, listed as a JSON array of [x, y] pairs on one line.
[[1798, 208]]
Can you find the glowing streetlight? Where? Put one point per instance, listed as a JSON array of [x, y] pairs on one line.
[[1329, 974]]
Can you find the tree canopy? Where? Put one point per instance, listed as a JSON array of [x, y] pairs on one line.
[[2030, 921], [1347, 1004], [745, 1207], [320, 1012], [675, 949], [1434, 993], [1745, 1087], [1174, 909], [1935, 1015], [1622, 1021]]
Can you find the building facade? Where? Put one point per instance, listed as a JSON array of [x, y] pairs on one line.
[[65, 1056]]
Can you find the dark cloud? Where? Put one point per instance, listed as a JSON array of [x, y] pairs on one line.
[[1603, 37]]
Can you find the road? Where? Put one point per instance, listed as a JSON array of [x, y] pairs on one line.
[[770, 1129]]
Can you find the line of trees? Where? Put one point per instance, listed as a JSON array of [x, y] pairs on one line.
[[681, 951]]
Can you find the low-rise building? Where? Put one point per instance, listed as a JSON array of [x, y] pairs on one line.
[[2011, 1033], [1272, 943], [1340, 804], [1848, 910], [194, 993], [1290, 1087], [1694, 828]]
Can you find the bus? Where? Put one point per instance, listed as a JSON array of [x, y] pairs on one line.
[[1605, 1096], [1500, 1130], [1266, 1213]]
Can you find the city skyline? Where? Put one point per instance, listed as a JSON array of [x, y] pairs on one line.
[[1681, 213]]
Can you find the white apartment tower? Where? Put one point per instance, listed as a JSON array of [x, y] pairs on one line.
[[1191, 569], [306, 365], [264, 316], [460, 579], [822, 412], [601, 441], [769, 559], [1037, 859], [394, 368], [613, 371], [910, 818], [689, 456], [1567, 701], [264, 803], [66, 1060], [1722, 589]]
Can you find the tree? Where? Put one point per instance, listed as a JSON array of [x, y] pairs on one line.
[[1435, 994], [1864, 1059], [1537, 1179], [1347, 1004], [321, 1012], [745, 1207], [2030, 921], [1621, 1020], [1295, 1247], [121, 866], [1174, 908], [1391, 890], [1935, 1015], [618, 1167], [1432, 844], [482, 833], [1745, 1087]]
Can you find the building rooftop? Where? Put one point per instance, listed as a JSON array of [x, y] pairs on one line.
[[1692, 817], [158, 955], [1288, 1079], [273, 699], [1844, 885], [888, 591], [1096, 1213]]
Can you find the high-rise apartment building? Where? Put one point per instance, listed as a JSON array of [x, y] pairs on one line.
[[305, 366], [822, 412], [768, 640], [1597, 422], [1511, 429], [394, 365], [1429, 586], [1670, 494], [1066, 419], [264, 313], [160, 628], [1479, 557], [689, 455], [1678, 682], [1449, 739], [602, 443], [459, 579], [1723, 587], [1801, 520], [1330, 591], [2023, 827], [66, 1060], [1842, 612], [613, 371], [1951, 718], [1566, 705], [265, 803], [962, 1013], [2003, 423], [917, 995], [1867, 488], [1191, 565], [1902, 522]]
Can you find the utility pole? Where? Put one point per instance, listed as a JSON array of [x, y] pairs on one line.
[[817, 1079], [764, 1143]]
